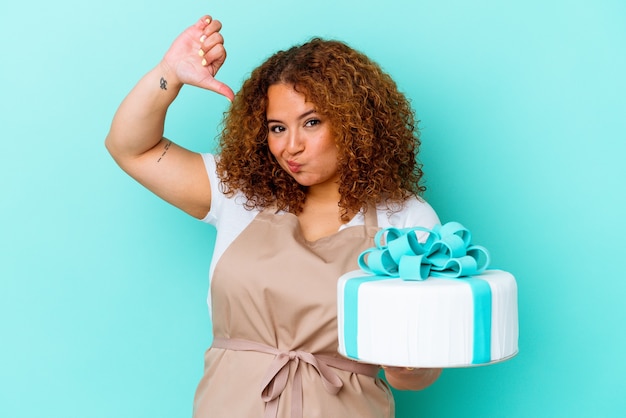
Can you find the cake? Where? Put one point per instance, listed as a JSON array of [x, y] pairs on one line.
[[427, 304]]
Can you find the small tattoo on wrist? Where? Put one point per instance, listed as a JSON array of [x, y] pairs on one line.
[[163, 83], [167, 147]]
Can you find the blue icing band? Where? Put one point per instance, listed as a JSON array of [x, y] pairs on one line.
[[351, 312], [481, 292]]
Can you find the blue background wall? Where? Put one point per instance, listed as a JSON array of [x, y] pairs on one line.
[[523, 110]]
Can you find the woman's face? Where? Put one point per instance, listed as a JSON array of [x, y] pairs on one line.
[[300, 139]]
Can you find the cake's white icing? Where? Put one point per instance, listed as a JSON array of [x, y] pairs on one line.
[[428, 323]]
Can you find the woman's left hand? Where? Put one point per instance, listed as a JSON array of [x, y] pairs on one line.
[[408, 378]]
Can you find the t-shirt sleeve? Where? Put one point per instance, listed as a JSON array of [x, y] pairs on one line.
[[216, 196], [416, 212], [420, 213]]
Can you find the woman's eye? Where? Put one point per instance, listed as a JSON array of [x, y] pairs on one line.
[[277, 129], [312, 122]]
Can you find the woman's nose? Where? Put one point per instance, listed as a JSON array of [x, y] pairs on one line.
[[295, 143]]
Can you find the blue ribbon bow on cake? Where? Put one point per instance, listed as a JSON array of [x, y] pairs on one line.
[[447, 252]]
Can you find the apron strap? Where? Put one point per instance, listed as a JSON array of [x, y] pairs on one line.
[[371, 220], [275, 379]]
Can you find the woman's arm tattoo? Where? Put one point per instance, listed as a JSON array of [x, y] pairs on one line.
[[167, 147]]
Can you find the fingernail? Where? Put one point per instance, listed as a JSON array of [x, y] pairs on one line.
[[202, 38], [204, 63], [207, 20], [201, 52]]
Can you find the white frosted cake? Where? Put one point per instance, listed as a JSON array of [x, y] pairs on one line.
[[453, 320]]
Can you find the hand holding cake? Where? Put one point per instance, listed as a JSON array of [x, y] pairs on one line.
[[410, 378]]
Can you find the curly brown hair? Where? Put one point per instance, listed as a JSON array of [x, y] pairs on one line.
[[373, 123]]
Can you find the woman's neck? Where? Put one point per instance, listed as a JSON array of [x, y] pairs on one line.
[[321, 214], [326, 194]]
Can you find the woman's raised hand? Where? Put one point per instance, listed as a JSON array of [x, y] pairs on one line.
[[196, 55]]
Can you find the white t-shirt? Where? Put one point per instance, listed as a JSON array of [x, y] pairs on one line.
[[230, 217]]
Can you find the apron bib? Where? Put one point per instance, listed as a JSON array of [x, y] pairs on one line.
[[274, 352]]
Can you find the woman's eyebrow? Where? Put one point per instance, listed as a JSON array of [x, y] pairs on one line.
[[302, 116]]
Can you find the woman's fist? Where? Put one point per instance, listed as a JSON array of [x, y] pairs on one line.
[[196, 56]]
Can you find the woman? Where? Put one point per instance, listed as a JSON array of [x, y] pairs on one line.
[[317, 153]]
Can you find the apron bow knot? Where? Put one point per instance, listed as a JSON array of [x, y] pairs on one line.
[[277, 375]]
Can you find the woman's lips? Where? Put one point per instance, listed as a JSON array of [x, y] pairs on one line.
[[293, 166]]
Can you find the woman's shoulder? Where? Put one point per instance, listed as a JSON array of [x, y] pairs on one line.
[[414, 211]]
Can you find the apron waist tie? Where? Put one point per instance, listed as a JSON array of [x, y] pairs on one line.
[[275, 379]]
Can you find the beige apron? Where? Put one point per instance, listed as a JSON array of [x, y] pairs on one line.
[[275, 324]]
